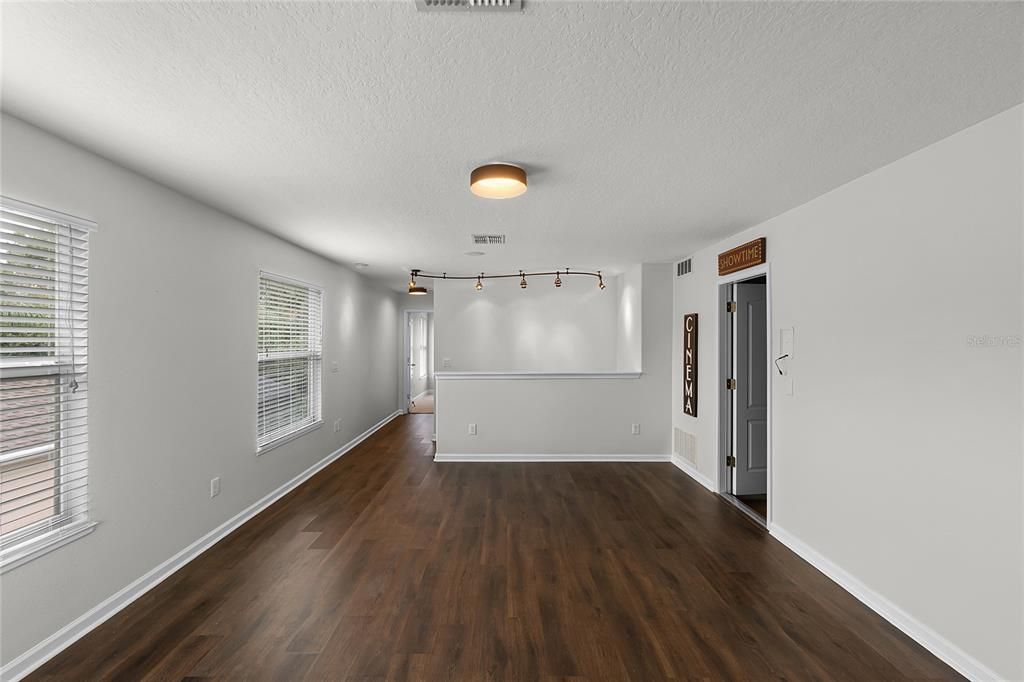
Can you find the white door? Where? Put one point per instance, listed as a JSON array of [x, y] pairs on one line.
[[750, 399]]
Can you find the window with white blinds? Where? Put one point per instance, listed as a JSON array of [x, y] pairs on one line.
[[289, 353], [44, 310]]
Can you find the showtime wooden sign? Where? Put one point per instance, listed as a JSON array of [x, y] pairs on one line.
[[742, 257]]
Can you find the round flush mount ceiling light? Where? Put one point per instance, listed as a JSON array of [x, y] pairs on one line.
[[498, 181]]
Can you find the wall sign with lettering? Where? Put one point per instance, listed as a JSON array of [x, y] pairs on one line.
[[690, 364], [742, 257]]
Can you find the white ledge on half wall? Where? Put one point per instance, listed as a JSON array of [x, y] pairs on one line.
[[536, 376]]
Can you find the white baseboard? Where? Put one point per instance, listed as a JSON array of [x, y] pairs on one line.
[[441, 457], [948, 652], [692, 472], [78, 628]]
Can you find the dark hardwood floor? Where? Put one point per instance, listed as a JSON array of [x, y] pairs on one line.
[[389, 566]]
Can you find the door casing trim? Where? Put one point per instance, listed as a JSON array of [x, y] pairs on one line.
[[721, 343]]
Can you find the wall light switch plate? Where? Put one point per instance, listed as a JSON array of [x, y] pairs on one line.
[[337, 425], [215, 486], [472, 429], [334, 368], [446, 363], [635, 430], [786, 342]]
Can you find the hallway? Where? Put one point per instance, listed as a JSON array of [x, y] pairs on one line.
[[387, 565]]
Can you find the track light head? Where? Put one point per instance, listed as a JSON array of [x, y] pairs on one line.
[[522, 281], [479, 283], [600, 281], [558, 279]]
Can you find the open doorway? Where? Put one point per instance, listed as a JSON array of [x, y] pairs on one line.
[[745, 433], [419, 379]]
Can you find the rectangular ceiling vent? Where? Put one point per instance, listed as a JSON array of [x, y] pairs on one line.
[[469, 5], [684, 267], [489, 239]]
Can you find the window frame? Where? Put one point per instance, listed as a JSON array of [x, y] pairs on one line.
[[318, 358], [45, 535]]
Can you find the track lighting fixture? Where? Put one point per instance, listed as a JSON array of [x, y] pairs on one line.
[[417, 290]]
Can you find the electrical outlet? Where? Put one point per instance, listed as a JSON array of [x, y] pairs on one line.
[[337, 425], [635, 430], [215, 486], [472, 429]]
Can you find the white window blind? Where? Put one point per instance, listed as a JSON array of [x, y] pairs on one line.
[[44, 310], [289, 353]]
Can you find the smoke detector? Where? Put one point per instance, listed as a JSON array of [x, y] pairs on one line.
[[469, 5]]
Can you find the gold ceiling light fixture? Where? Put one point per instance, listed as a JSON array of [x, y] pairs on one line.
[[417, 290], [497, 181]]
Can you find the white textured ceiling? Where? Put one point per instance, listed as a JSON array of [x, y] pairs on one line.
[[649, 128]]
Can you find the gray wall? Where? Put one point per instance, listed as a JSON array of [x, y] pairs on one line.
[[898, 455], [564, 416], [170, 407], [542, 328]]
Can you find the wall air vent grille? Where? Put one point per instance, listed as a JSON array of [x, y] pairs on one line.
[[684, 267], [469, 5], [489, 239], [685, 445]]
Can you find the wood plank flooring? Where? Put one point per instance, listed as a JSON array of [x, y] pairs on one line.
[[388, 566]]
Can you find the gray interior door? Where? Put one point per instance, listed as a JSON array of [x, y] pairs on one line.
[[751, 394]]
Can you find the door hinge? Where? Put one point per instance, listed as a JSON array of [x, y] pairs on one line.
[[730, 384], [730, 461], [730, 306]]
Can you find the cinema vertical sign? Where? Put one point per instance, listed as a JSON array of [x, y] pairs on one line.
[[690, 364]]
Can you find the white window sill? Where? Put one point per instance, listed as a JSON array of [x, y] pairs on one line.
[[535, 376], [288, 437], [44, 544]]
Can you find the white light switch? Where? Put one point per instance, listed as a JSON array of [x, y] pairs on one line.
[[786, 342], [446, 363], [215, 486], [334, 368], [472, 429], [635, 430]]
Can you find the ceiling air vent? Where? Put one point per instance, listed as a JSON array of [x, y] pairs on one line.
[[469, 5], [684, 267], [489, 239]]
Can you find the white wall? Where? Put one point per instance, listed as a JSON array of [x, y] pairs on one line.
[[628, 347], [172, 373], [568, 329], [899, 455], [566, 416]]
